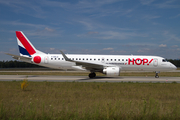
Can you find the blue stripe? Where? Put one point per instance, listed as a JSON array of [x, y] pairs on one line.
[[24, 51]]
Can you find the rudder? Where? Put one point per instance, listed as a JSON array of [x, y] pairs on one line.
[[25, 46]]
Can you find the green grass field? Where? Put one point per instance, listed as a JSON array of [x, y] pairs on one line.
[[76, 100]]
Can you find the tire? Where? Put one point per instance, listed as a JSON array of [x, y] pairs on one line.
[[92, 75]]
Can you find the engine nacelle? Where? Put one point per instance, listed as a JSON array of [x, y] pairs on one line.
[[112, 71]]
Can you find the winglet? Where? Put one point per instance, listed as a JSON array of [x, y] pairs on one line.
[[65, 57]]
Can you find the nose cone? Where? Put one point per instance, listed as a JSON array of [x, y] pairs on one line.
[[173, 67]]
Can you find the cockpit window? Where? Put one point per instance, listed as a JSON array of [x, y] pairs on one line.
[[164, 60]]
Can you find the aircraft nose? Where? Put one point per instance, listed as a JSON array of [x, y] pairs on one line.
[[173, 66]]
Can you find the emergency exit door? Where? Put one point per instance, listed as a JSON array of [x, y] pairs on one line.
[[46, 60], [155, 62]]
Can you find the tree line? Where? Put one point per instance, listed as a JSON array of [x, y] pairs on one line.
[[19, 64], [175, 62]]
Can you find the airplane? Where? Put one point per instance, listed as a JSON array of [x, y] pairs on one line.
[[111, 65]]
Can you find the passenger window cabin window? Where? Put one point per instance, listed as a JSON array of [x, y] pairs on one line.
[[122, 59], [51, 58], [107, 59], [62, 58], [94, 59], [86, 58], [99, 59], [114, 59], [90, 59], [76, 59], [118, 59], [58, 58]]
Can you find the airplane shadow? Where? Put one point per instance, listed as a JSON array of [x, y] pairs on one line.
[[28, 76], [100, 77]]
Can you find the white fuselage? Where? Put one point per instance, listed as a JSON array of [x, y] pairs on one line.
[[106, 64], [125, 62]]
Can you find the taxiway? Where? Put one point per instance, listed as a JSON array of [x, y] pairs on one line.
[[42, 78]]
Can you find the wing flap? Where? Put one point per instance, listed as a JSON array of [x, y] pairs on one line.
[[88, 65]]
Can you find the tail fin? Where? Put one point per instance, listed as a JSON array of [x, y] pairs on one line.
[[25, 46]]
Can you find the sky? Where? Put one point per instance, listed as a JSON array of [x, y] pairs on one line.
[[115, 27]]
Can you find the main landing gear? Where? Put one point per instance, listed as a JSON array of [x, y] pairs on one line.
[[157, 76], [92, 75]]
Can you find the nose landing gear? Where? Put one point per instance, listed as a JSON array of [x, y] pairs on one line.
[[157, 76]]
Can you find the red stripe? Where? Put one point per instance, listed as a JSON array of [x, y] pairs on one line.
[[151, 61], [25, 43]]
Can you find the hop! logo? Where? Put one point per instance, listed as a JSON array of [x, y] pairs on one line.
[[139, 61]]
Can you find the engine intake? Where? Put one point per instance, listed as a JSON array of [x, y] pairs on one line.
[[112, 71]]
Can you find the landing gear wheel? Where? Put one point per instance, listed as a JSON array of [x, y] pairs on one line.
[[92, 75], [156, 76]]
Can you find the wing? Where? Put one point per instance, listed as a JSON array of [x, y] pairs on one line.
[[22, 58], [95, 67]]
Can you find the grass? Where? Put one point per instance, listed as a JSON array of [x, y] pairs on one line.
[[76, 100]]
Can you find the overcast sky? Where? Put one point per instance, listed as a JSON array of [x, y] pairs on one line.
[[122, 27]]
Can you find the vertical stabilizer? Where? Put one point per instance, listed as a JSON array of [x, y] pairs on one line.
[[25, 46]]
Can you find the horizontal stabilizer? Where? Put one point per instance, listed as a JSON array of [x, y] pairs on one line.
[[22, 58]]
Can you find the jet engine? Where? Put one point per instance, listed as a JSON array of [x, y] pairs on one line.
[[112, 71]]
